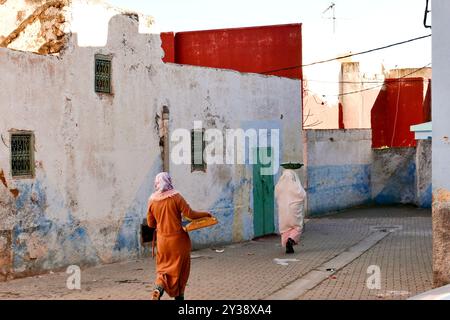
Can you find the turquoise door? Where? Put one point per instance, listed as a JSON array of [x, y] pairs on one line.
[[263, 198]]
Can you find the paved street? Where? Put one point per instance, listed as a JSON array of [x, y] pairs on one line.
[[396, 239]]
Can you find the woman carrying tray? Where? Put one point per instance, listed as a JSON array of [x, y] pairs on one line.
[[173, 259]]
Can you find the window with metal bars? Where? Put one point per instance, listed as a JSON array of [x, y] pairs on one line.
[[102, 74], [197, 149], [22, 157]]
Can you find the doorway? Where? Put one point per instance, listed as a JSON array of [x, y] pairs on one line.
[[263, 197]]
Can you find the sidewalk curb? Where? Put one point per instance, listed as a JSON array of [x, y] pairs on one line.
[[314, 277]]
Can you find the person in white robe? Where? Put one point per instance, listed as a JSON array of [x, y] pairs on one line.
[[290, 197]]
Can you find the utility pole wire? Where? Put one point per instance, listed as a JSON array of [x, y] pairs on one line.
[[396, 80], [384, 83], [350, 55], [363, 81], [367, 51]]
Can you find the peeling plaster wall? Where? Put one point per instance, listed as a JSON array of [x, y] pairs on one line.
[[35, 26], [43, 26], [424, 173], [44, 231], [402, 175], [339, 169], [394, 176], [248, 102], [14, 12], [343, 171], [96, 155]]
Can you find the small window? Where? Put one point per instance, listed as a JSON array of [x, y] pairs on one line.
[[22, 157], [102, 74], [197, 150]]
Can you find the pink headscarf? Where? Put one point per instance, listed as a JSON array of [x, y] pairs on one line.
[[163, 187], [163, 182]]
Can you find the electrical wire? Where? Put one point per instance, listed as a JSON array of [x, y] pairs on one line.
[[349, 55], [390, 82], [365, 82], [367, 51], [378, 86]]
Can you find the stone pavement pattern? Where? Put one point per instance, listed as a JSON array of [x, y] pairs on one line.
[[248, 271], [404, 258]]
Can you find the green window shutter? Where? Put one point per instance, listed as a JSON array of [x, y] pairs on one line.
[[197, 149]]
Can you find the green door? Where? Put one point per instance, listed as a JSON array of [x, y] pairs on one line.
[[263, 198]]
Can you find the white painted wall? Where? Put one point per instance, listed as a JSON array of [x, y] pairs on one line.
[[96, 155], [441, 94], [339, 147], [338, 169]]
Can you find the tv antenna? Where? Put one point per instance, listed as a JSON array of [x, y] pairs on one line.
[[332, 8]]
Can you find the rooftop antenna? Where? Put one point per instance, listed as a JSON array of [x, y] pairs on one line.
[[332, 8]]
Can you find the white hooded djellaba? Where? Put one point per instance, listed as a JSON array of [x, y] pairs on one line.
[[290, 197]]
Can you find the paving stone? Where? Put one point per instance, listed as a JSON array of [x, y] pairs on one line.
[[247, 270]]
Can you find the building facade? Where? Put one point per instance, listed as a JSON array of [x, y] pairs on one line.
[[85, 130]]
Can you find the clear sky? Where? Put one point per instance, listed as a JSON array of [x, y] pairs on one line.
[[360, 25]]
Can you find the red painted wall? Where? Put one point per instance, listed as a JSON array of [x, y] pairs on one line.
[[273, 50], [396, 109], [341, 116], [168, 46], [427, 104]]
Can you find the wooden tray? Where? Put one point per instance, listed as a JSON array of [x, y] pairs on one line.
[[200, 223]]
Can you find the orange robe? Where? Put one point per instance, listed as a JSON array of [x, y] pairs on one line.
[[173, 257]]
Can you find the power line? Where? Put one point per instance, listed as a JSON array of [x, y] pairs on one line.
[[366, 82], [386, 83], [367, 51], [350, 55], [395, 80]]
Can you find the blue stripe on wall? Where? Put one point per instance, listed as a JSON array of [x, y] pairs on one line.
[[223, 210], [425, 199], [333, 188], [400, 187]]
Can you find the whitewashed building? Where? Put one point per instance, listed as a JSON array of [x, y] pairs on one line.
[[87, 108]]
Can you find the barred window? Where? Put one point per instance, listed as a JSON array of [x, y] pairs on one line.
[[197, 150], [102, 74], [22, 156]]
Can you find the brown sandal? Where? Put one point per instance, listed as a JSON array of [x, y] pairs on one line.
[[156, 295]]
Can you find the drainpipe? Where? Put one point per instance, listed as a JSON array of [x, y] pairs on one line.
[[165, 134]]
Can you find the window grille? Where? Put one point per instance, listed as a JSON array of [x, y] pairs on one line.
[[102, 74], [22, 155]]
